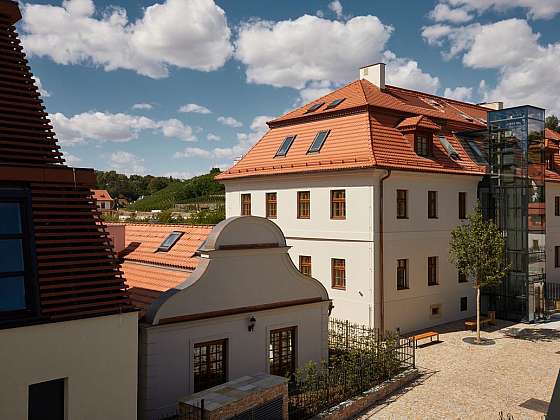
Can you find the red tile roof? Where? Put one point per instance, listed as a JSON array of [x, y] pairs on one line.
[[101, 195], [551, 134], [149, 272]]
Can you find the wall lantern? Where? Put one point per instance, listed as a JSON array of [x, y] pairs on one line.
[[252, 322]]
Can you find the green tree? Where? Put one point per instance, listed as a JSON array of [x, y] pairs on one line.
[[552, 122], [477, 249]]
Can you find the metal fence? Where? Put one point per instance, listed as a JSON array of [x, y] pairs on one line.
[[359, 359]]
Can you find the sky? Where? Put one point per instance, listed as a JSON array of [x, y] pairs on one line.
[[176, 87]]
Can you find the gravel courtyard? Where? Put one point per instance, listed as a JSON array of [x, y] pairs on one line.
[[464, 381]]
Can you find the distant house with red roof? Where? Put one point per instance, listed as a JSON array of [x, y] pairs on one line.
[[103, 199]]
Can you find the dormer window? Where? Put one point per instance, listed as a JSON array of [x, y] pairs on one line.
[[171, 240], [423, 144]]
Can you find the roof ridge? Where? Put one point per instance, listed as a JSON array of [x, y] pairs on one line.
[[158, 224], [438, 97]]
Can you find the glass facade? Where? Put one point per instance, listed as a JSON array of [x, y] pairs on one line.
[[513, 194]]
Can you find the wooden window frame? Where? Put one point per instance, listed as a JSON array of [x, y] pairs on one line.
[[203, 383], [402, 200], [304, 204], [462, 277], [246, 204], [462, 205], [286, 351], [557, 205], [423, 148], [402, 269], [338, 265], [433, 271], [461, 300], [338, 205], [432, 204], [271, 205], [305, 265]]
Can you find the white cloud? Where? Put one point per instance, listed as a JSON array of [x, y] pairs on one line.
[[536, 9], [193, 152], [189, 34], [460, 93], [314, 90], [229, 121], [197, 109], [142, 105], [213, 137], [71, 159], [434, 34], [127, 163], [181, 174], [406, 73], [336, 7], [42, 91], [103, 127], [442, 13]]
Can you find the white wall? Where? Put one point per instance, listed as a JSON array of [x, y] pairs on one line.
[[97, 356], [552, 231], [167, 350]]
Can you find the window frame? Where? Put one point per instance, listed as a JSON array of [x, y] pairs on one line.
[[421, 148], [461, 276], [432, 204], [303, 203], [291, 363], [305, 265], [288, 142], [462, 205], [271, 203], [338, 265], [433, 271], [466, 306], [319, 146], [22, 196], [338, 212], [557, 205], [177, 234], [556, 256], [404, 202], [34, 397], [400, 268], [244, 204], [207, 361]]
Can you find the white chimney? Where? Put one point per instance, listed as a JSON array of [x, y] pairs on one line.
[[496, 106], [374, 73]]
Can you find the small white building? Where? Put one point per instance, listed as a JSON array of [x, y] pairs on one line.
[[243, 310]]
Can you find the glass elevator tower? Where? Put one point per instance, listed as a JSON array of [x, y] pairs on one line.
[[514, 195]]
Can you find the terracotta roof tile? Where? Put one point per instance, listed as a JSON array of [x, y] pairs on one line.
[[418, 121], [101, 195], [551, 134]]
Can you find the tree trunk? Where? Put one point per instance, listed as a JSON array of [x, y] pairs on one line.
[[478, 314]]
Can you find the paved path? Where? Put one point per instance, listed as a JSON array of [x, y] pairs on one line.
[[464, 381]]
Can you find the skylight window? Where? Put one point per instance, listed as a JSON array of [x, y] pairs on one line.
[[168, 242], [314, 107], [479, 157], [451, 152], [466, 117], [285, 146], [335, 103], [319, 141]]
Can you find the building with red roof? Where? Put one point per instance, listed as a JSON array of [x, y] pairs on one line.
[[103, 199]]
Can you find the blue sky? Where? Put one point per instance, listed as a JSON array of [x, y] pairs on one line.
[[176, 87]]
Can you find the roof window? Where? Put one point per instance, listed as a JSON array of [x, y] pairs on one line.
[[315, 107], [168, 242], [479, 157], [451, 152], [285, 146], [319, 141], [335, 103], [466, 117]]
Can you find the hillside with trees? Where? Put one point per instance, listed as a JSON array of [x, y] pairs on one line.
[[552, 123]]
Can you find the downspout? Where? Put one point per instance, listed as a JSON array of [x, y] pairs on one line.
[[382, 279]]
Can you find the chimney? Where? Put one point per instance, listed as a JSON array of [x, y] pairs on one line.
[[10, 10], [374, 73], [117, 234], [495, 106]]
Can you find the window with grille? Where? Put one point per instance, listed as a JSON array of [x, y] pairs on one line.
[[303, 204], [432, 271], [245, 204], [402, 274], [271, 205], [282, 352], [338, 270], [462, 277], [338, 204], [402, 204], [423, 144], [305, 265], [432, 205], [209, 364], [462, 205]]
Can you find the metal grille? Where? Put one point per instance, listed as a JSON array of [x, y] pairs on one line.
[[270, 410]]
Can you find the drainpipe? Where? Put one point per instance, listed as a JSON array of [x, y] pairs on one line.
[[382, 280]]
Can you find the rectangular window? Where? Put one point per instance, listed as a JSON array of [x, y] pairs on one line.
[[557, 206], [245, 204], [338, 273], [303, 204], [271, 205], [46, 400], [305, 265], [318, 141], [435, 310], [432, 271], [557, 256], [282, 352], [338, 204], [402, 274], [432, 205], [209, 364], [462, 205], [462, 277], [463, 303], [422, 144], [285, 146], [402, 204]]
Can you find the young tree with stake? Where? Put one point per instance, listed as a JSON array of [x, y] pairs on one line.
[[477, 249]]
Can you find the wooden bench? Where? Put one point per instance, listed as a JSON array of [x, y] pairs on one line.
[[470, 324], [429, 334]]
